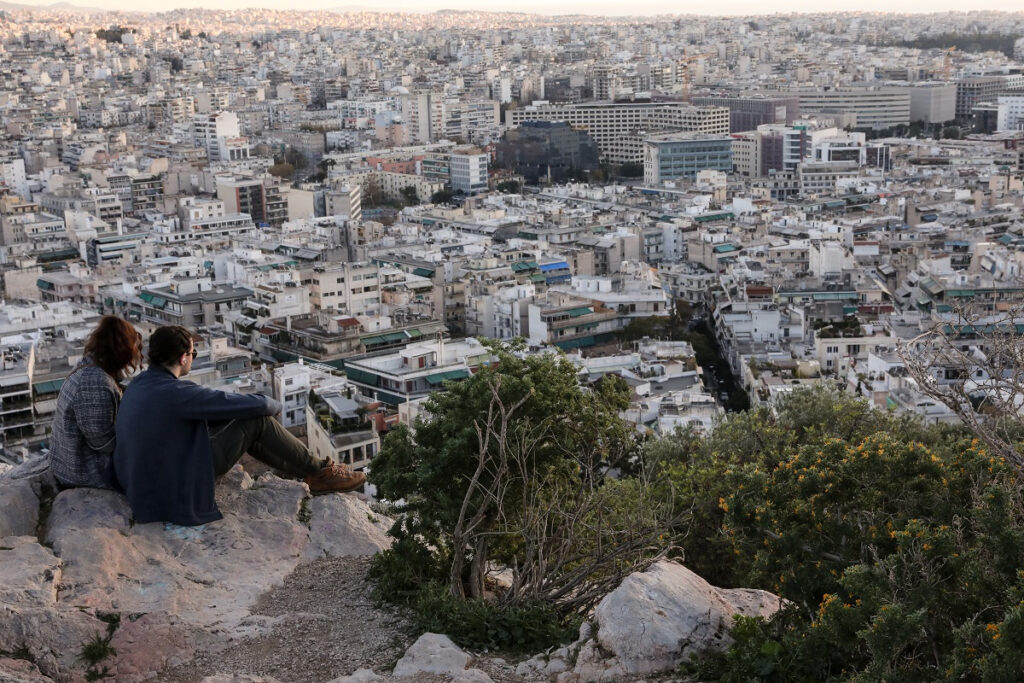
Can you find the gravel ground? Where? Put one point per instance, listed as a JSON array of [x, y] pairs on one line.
[[329, 628]]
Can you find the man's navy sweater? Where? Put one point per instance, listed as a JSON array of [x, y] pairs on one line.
[[163, 459]]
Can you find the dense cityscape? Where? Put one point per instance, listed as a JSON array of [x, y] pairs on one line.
[[710, 218], [345, 190]]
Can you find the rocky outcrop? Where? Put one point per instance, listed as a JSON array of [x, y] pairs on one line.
[[153, 598], [432, 653], [152, 594], [652, 622]]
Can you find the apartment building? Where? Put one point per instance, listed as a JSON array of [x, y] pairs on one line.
[[17, 362], [260, 198], [415, 371], [468, 170], [607, 122], [672, 156], [213, 132], [348, 288], [747, 113], [874, 107]]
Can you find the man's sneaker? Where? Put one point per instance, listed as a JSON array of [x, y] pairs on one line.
[[334, 479]]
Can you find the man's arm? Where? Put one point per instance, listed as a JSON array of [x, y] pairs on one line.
[[196, 402]]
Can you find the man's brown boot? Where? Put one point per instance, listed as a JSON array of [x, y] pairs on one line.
[[334, 479]]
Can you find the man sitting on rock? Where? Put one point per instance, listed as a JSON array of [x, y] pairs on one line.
[[174, 437]]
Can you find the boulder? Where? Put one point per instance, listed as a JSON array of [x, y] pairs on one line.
[[29, 573], [471, 676], [358, 676], [345, 526], [432, 653], [658, 618], [177, 590], [36, 471], [50, 638], [205, 574], [20, 505], [21, 671]]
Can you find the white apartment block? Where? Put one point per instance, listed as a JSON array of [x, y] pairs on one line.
[[468, 169], [874, 107], [1011, 113], [213, 132], [933, 102], [12, 176], [607, 122], [350, 288], [344, 200]]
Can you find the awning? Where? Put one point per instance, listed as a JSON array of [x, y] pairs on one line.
[[576, 312], [575, 343], [434, 380], [423, 272], [44, 284], [49, 387]]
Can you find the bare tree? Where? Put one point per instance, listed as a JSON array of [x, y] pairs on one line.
[[569, 534], [973, 362]]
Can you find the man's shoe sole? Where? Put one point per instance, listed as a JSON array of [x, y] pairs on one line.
[[344, 490]]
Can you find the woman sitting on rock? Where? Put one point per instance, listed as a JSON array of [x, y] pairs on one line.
[[82, 443]]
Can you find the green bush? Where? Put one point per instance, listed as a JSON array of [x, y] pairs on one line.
[[477, 624], [902, 557]]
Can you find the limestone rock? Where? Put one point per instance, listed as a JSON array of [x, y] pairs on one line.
[[82, 509], [658, 618], [471, 676], [29, 573], [432, 653], [238, 678], [592, 664], [343, 525], [149, 643], [358, 676], [20, 506], [51, 638], [21, 671], [206, 574], [36, 471]]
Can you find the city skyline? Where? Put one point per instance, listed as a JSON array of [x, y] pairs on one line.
[[648, 8]]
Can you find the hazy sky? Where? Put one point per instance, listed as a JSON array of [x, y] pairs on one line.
[[580, 6]]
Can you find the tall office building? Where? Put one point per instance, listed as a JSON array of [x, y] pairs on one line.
[[468, 169]]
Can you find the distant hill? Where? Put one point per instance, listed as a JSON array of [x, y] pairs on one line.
[[10, 6]]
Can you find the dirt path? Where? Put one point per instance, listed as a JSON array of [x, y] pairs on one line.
[[328, 627]]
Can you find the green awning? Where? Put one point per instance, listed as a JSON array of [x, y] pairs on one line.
[[537, 277], [48, 387], [44, 284], [434, 380], [158, 302], [577, 312], [146, 296], [423, 272], [394, 336], [362, 376], [375, 339], [414, 333], [575, 343]]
